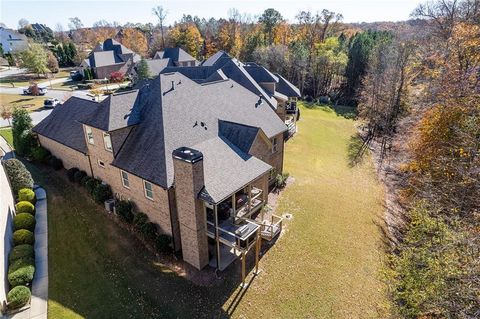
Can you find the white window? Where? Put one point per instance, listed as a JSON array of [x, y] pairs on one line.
[[101, 164], [148, 189], [89, 135], [125, 179], [107, 142], [274, 145]]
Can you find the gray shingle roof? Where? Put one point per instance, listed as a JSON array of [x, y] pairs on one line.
[[156, 66], [175, 54], [63, 123], [287, 88], [215, 58], [260, 74], [173, 118], [109, 53], [227, 169], [115, 112], [242, 136]]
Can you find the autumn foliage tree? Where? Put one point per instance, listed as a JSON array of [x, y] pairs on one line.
[[188, 37], [134, 39]]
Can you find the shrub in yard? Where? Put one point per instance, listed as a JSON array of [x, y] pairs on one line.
[[162, 243], [41, 154], [25, 207], [149, 230], [56, 163], [22, 276], [101, 193], [91, 184], [26, 194], [24, 221], [116, 77], [18, 297], [78, 176], [18, 175], [124, 210], [139, 220], [281, 180], [21, 251], [20, 263], [23, 236], [71, 173], [23, 139], [84, 180]]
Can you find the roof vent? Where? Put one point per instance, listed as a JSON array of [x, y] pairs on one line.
[[187, 154]]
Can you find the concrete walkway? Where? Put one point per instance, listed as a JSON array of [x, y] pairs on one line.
[[6, 151], [38, 306]]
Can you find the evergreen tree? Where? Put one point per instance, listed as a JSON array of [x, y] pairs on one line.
[[23, 140], [142, 70]]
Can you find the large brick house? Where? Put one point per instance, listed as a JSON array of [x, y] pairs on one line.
[[197, 158], [109, 57]]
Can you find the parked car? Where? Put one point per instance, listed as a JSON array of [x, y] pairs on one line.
[[29, 90], [50, 103]]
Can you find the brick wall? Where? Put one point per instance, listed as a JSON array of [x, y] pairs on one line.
[[69, 156], [158, 209], [262, 150], [189, 181]]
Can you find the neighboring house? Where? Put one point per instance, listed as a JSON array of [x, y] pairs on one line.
[[177, 56], [274, 89], [109, 57], [197, 158], [12, 41]]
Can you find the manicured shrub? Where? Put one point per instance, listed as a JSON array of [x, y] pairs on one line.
[[23, 236], [22, 276], [18, 175], [21, 251], [78, 176], [281, 180], [56, 163], [20, 263], [25, 207], [149, 230], [101, 193], [26, 194], [24, 221], [23, 140], [124, 210], [91, 184], [139, 220], [162, 243], [18, 297], [71, 173], [84, 180], [41, 154]]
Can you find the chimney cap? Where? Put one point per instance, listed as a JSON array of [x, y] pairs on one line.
[[187, 154]]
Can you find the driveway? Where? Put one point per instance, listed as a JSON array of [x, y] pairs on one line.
[[11, 71], [38, 116]]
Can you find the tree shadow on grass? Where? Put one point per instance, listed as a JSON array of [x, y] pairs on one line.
[[356, 150], [347, 112]]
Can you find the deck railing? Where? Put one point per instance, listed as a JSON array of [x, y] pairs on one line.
[[270, 229]]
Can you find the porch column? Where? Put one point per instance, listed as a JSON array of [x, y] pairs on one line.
[[217, 236]]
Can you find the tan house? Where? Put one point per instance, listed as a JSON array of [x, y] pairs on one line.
[[197, 158]]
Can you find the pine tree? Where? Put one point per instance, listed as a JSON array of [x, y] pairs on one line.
[[142, 70]]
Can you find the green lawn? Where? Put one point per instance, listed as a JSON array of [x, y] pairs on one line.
[[31, 103], [326, 265], [7, 134]]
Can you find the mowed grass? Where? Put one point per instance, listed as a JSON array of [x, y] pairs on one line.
[[6, 133], [328, 263], [30, 103]]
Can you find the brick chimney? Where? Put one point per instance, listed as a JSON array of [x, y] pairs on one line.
[[189, 181]]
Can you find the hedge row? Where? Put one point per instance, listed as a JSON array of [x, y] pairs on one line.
[[18, 175], [21, 261], [124, 209]]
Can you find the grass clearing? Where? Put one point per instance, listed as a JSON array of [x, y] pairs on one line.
[[31, 103], [328, 263], [325, 266], [6, 133]]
